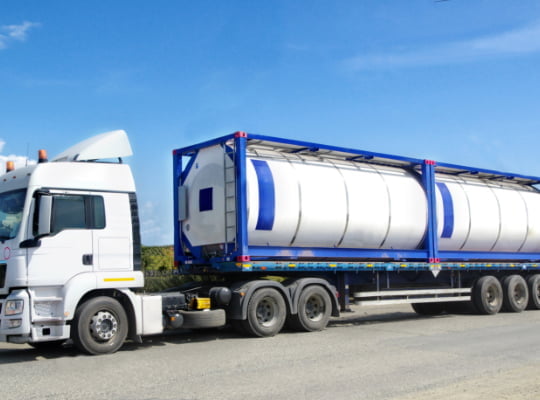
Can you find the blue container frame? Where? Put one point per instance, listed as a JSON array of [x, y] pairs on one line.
[[241, 252]]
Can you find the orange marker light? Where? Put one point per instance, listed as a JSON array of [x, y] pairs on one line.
[[42, 156]]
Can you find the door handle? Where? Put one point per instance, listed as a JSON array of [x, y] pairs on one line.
[[88, 259]]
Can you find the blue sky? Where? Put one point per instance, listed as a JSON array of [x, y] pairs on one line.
[[456, 81]]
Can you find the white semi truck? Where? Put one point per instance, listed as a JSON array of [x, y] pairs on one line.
[[335, 224], [70, 251]]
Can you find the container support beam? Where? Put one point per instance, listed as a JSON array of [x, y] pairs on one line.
[[428, 181], [177, 181], [240, 145]]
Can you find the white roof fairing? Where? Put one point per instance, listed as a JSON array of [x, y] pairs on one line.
[[114, 144], [83, 176]]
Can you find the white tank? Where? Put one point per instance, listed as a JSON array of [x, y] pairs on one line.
[[324, 203], [487, 216], [305, 201]]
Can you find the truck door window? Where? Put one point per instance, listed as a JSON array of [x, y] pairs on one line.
[[77, 212], [97, 212], [11, 209]]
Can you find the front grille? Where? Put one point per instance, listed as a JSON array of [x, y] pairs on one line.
[[2, 275]]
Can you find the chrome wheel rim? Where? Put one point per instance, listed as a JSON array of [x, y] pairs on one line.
[[103, 326]]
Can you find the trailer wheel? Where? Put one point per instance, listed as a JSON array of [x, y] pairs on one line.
[[100, 326], [533, 282], [428, 308], [516, 293], [266, 312], [314, 309], [487, 295]]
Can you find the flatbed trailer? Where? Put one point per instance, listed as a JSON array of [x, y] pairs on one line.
[[489, 272]]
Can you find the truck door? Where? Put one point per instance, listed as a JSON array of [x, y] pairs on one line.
[[67, 250], [113, 243]]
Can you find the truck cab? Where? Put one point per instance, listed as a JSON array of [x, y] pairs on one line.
[[69, 231]]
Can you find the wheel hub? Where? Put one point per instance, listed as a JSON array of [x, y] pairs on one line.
[[491, 296], [314, 308], [103, 326], [519, 294], [266, 312]]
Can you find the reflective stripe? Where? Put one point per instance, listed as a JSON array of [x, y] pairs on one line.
[[118, 279], [448, 211], [267, 198]]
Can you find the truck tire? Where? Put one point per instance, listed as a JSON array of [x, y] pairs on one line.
[[203, 319], [314, 309], [266, 312], [100, 326], [429, 308], [533, 282], [516, 293], [487, 295]]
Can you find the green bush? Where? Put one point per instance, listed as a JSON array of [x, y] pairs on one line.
[[161, 282], [157, 258]]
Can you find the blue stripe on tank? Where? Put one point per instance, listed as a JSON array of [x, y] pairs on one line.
[[267, 196], [448, 210]]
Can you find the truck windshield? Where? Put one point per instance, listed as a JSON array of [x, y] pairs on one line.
[[11, 209]]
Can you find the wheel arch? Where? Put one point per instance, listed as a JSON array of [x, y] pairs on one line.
[[296, 286], [243, 291], [126, 300]]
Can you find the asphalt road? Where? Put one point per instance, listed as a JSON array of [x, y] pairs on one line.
[[373, 353]]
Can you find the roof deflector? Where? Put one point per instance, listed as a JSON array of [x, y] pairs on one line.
[[114, 144]]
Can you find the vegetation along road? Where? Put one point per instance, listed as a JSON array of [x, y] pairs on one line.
[[372, 353]]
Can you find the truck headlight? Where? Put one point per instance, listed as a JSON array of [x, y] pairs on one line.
[[14, 307]]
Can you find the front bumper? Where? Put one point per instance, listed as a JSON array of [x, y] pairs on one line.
[[15, 328]]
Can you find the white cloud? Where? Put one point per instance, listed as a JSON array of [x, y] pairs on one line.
[[15, 33], [20, 161], [521, 41]]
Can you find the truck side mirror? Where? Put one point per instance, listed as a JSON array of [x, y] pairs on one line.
[[42, 219], [44, 204], [42, 214]]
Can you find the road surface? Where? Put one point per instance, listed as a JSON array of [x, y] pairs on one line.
[[372, 353]]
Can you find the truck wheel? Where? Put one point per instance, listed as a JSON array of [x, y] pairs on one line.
[[487, 295], [428, 308], [266, 313], [533, 282], [314, 309], [100, 326], [516, 293]]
